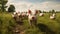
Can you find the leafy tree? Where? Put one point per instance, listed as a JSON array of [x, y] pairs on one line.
[[11, 8], [53, 11], [3, 5]]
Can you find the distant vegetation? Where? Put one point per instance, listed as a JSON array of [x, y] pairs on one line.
[[11, 8]]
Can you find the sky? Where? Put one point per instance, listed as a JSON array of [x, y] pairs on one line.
[[24, 5]]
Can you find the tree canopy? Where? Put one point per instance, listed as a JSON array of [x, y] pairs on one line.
[[11, 8], [3, 5]]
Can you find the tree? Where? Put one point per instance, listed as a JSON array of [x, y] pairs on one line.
[[11, 8], [53, 11], [3, 5]]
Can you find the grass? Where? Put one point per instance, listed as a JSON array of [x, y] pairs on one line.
[[7, 23]]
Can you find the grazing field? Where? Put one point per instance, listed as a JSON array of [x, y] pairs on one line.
[[44, 24]]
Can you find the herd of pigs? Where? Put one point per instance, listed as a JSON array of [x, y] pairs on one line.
[[31, 16]]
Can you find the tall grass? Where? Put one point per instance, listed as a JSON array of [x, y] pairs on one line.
[[7, 24]]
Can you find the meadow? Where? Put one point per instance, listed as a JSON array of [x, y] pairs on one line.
[[45, 24]]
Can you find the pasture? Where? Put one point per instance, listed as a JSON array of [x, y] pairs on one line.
[[45, 24]]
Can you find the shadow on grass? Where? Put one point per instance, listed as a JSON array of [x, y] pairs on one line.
[[44, 28]]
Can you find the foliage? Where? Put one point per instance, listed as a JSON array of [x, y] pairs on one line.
[[3, 5], [6, 23], [53, 11], [11, 8]]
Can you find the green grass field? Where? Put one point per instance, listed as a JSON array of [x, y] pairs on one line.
[[7, 23]]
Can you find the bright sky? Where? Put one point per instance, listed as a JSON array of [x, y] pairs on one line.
[[23, 5]]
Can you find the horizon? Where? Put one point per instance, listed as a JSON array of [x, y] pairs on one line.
[[24, 5]]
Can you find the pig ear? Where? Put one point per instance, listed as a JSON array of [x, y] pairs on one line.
[[29, 11], [36, 11]]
